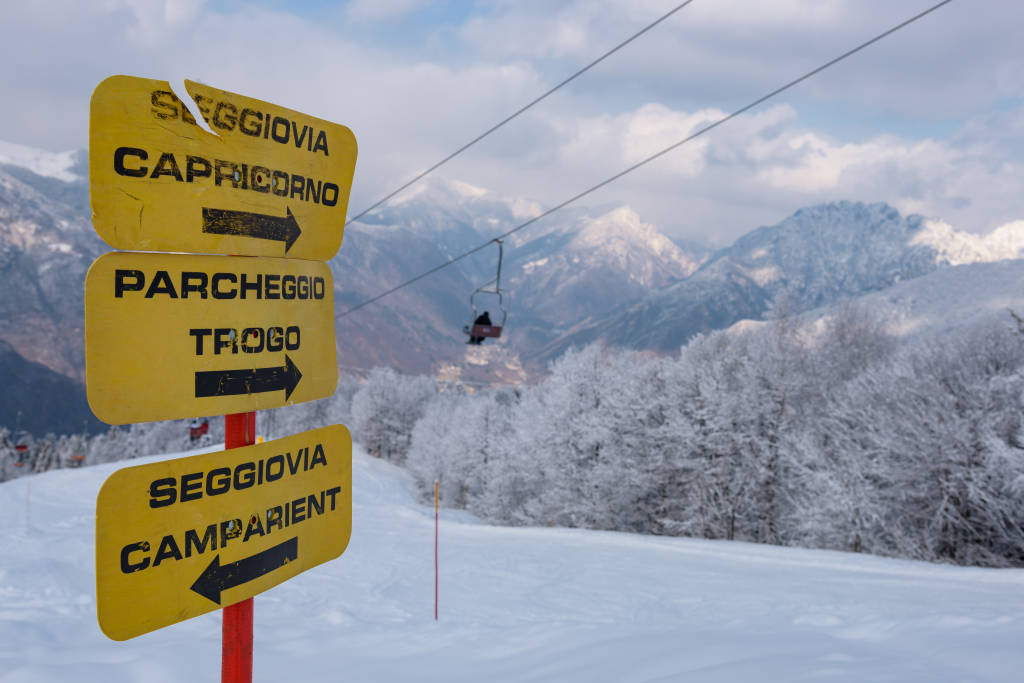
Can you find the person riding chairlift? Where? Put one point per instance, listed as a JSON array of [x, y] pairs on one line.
[[482, 319]]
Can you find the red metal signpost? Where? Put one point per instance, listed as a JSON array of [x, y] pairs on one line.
[[236, 637]]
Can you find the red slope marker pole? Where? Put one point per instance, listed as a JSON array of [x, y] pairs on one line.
[[236, 635], [436, 519]]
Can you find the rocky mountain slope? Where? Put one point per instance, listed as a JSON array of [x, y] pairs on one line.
[[579, 276], [46, 245], [569, 268], [816, 257], [47, 401]]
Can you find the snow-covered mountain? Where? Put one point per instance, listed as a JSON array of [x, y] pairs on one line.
[[957, 296], [414, 329], [933, 305], [587, 267], [816, 257], [567, 268], [46, 245], [581, 275], [570, 267]]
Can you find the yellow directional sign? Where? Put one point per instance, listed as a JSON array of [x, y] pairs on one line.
[[269, 182], [178, 335], [180, 538]]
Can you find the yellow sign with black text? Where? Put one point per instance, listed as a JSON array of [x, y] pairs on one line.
[[179, 538], [178, 335], [268, 181]]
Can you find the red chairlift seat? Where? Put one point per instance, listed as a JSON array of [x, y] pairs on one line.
[[199, 430], [485, 331], [22, 443]]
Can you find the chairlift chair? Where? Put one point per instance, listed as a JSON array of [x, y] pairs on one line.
[[198, 429], [22, 444], [492, 331]]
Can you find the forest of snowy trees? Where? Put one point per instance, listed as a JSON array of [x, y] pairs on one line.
[[833, 436], [829, 434]]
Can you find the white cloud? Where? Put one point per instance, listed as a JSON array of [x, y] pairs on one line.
[[654, 127], [615, 142], [850, 133], [808, 162], [960, 58], [154, 18], [758, 168], [384, 10]]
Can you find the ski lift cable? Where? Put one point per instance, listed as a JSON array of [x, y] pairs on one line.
[[521, 110], [657, 155]]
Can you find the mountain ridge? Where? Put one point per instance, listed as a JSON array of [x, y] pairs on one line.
[[585, 274], [818, 256]]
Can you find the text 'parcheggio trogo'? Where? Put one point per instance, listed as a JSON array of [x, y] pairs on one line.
[[221, 334]]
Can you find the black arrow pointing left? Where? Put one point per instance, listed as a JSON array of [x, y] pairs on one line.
[[217, 577], [248, 224], [248, 381]]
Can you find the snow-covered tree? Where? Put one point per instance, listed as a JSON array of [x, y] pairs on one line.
[[930, 452], [385, 410], [448, 445]]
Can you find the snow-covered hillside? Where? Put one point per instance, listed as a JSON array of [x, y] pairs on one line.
[[948, 298], [953, 297], [526, 604]]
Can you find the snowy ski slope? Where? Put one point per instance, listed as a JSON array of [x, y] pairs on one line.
[[517, 605]]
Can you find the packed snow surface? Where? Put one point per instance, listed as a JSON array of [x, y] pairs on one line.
[[517, 605]]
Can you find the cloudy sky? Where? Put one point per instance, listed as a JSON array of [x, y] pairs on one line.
[[930, 120]]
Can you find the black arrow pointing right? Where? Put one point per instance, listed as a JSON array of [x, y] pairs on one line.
[[248, 381], [217, 577], [248, 224]]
